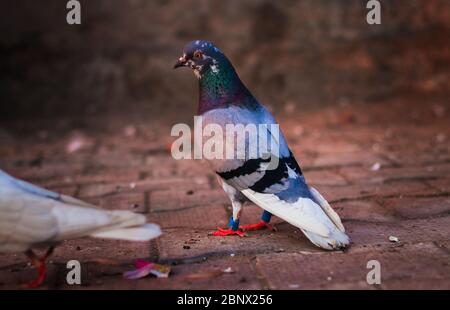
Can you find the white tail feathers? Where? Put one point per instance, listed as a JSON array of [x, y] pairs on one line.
[[319, 222], [336, 241], [76, 221], [75, 202], [327, 208], [143, 233]]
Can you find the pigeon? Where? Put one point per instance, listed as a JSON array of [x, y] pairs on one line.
[[31, 216], [279, 190]]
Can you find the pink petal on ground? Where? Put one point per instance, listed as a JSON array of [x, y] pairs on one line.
[[138, 273], [140, 263]]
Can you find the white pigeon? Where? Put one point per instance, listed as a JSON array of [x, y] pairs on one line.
[[31, 216]]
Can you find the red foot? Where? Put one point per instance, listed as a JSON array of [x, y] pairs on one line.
[[261, 225], [228, 232], [42, 270], [39, 263]]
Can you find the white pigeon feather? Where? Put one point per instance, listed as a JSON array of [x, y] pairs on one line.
[[327, 209], [31, 216], [305, 214]]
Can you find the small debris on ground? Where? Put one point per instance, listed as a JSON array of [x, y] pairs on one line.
[[440, 138], [145, 268], [393, 239], [228, 270], [375, 167], [78, 142], [129, 131]]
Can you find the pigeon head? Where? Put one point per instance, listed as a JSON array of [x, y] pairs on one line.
[[203, 57], [219, 83]]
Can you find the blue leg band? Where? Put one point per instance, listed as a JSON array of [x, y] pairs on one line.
[[266, 216], [234, 225]]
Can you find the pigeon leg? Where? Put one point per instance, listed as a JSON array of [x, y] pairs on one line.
[[237, 199], [233, 225], [221, 232], [39, 263], [264, 223]]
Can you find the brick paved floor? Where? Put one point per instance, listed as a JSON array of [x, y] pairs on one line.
[[123, 163]]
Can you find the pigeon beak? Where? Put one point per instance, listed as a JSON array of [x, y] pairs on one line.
[[181, 62]]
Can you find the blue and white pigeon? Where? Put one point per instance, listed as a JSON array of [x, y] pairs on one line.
[[280, 190], [31, 216]]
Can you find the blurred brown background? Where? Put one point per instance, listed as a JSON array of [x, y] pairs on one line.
[[290, 53]]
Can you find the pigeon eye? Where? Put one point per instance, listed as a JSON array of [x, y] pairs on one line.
[[198, 55]]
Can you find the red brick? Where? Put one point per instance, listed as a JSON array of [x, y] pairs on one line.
[[396, 189], [113, 251], [177, 198], [117, 160], [323, 145], [208, 275], [122, 201], [388, 174], [443, 244], [363, 210], [66, 190], [358, 175], [205, 275], [182, 184], [366, 159], [60, 170], [105, 176], [204, 217], [287, 238], [324, 177], [348, 270], [95, 255], [96, 190], [408, 156], [418, 207], [166, 166], [408, 231], [443, 185]]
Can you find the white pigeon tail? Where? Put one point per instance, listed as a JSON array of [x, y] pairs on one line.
[[32, 216], [320, 226]]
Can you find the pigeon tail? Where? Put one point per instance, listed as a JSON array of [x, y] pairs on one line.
[[142, 233], [314, 217], [336, 241], [118, 224]]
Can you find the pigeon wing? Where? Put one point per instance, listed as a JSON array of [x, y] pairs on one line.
[[280, 189]]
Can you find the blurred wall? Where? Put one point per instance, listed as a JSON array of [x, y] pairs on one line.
[[308, 52]]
